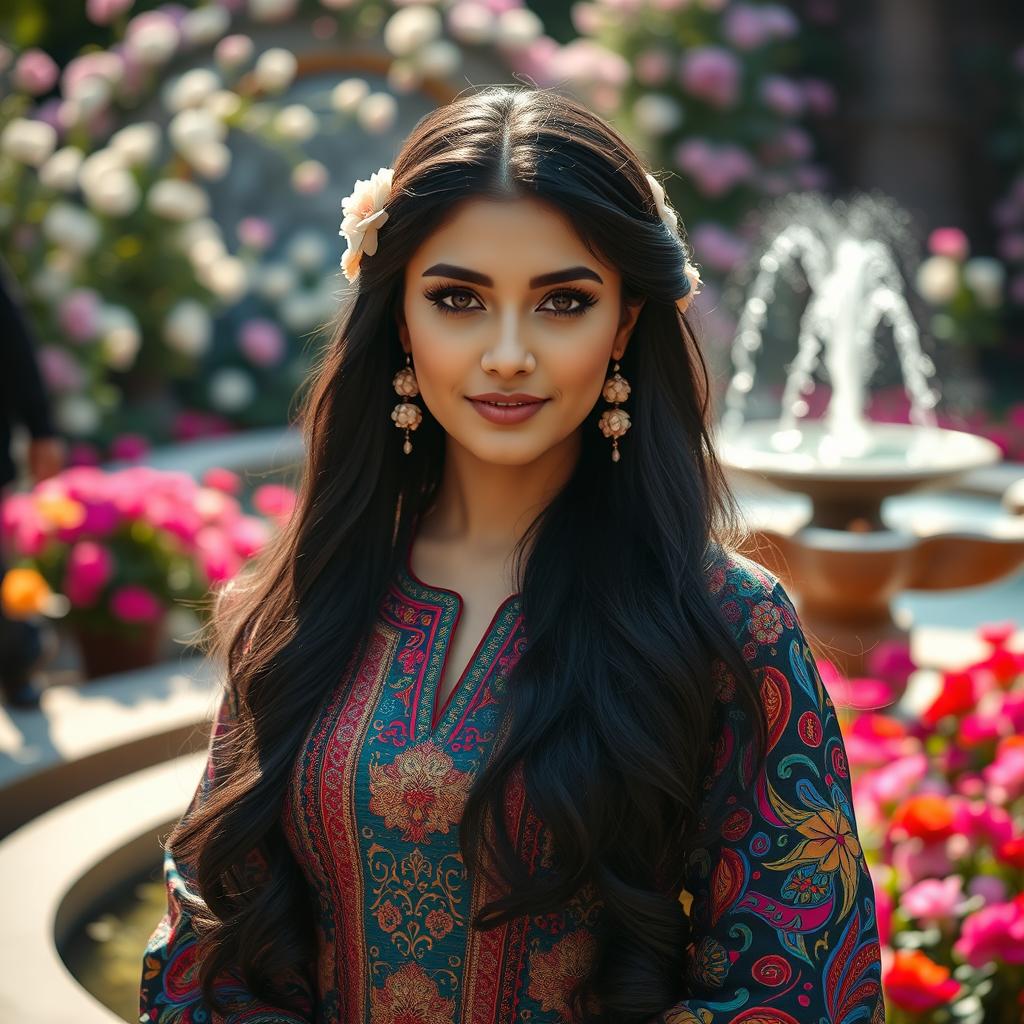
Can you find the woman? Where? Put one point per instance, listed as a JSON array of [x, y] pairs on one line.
[[510, 731]]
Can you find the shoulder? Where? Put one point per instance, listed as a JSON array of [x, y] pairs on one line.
[[755, 604]]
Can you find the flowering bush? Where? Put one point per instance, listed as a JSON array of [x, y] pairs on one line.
[[711, 90], [109, 223], [940, 807], [123, 547], [967, 293]]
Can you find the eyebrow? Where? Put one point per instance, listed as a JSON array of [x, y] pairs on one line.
[[555, 277]]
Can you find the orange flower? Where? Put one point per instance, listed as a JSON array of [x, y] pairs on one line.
[[60, 511], [916, 983], [928, 816], [23, 593]]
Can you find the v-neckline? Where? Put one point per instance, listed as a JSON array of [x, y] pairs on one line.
[[433, 681]]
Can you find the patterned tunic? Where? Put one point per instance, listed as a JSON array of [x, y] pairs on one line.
[[780, 898]]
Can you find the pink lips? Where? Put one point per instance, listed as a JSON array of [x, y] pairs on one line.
[[506, 414]]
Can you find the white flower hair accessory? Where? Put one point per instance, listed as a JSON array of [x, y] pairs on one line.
[[671, 221], [363, 215]]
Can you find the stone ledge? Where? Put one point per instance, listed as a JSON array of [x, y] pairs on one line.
[[89, 734], [75, 854]]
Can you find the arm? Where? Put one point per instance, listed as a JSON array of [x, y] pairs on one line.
[[783, 908], [170, 992]]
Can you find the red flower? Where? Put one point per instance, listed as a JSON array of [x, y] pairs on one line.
[[957, 697], [916, 983], [1012, 852]]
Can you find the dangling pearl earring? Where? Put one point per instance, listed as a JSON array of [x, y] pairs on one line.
[[615, 422], [406, 416]]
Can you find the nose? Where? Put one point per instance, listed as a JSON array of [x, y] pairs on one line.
[[510, 354]]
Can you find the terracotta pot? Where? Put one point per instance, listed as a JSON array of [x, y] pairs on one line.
[[105, 652]]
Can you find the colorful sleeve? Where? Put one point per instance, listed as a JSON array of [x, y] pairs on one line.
[[170, 992], [780, 900]]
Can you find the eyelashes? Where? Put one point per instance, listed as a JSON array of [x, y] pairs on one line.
[[436, 294]]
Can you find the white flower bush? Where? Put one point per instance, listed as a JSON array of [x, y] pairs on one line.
[[106, 214]]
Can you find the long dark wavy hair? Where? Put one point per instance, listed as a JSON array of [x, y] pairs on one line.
[[612, 702]]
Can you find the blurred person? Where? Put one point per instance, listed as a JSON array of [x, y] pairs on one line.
[[23, 400]]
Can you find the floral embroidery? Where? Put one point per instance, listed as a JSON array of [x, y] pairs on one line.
[[553, 974], [829, 845], [409, 996], [780, 904], [420, 791], [765, 622]]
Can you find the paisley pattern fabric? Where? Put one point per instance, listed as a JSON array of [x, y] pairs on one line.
[[777, 888]]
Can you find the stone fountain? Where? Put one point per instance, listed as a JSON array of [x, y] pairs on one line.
[[850, 547]]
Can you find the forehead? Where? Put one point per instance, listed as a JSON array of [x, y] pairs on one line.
[[498, 236]]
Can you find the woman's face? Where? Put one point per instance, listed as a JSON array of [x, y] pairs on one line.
[[482, 314]]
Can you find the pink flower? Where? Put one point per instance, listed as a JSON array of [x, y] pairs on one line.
[[933, 899], [256, 233], [23, 525], [221, 479], [262, 342], [914, 860], [102, 63], [994, 933], [1006, 773], [79, 314], [248, 535], [716, 247], [782, 96], [951, 242], [132, 603], [819, 96], [896, 780], [61, 372], [745, 28], [712, 73], [274, 500], [652, 67], [103, 12], [217, 558], [36, 72]]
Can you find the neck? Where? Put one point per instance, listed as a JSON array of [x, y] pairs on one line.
[[485, 507]]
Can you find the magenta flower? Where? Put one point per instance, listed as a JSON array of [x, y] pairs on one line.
[[129, 447], [981, 821], [994, 933], [132, 603], [712, 74], [90, 568]]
